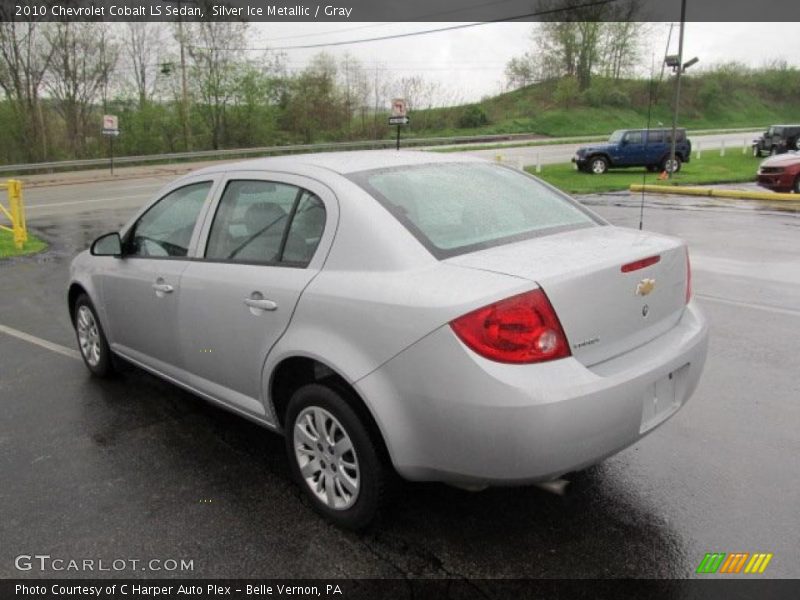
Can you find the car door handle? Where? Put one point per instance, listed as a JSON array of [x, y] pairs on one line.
[[163, 287], [261, 304]]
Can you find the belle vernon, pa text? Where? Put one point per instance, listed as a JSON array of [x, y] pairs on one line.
[[155, 10], [178, 590]]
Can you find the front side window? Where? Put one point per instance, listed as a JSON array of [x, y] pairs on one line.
[[166, 228], [634, 137], [266, 222], [460, 207], [616, 137]]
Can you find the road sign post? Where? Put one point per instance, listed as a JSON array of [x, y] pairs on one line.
[[399, 116], [111, 129]]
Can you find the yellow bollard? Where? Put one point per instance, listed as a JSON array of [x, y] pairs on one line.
[[17, 208]]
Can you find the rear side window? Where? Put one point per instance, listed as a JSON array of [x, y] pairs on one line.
[[460, 207], [680, 135], [655, 136], [267, 223]]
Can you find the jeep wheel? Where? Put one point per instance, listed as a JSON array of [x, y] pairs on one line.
[[756, 152], [669, 166], [598, 165], [797, 144]]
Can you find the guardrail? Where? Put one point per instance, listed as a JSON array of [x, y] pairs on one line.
[[289, 149], [263, 150], [15, 212]]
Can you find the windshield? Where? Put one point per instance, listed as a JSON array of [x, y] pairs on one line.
[[617, 136], [460, 207]]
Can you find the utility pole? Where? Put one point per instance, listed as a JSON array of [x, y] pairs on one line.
[[187, 133], [671, 164]]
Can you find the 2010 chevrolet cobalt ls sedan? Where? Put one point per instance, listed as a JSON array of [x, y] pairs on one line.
[[398, 312]]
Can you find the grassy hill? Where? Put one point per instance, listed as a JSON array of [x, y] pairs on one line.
[[729, 96]]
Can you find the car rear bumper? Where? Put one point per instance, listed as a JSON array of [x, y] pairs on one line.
[[449, 415]]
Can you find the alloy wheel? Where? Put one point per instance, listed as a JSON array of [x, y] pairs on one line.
[[326, 457], [88, 336]]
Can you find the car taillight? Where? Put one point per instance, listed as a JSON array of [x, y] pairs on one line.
[[520, 329], [688, 277]]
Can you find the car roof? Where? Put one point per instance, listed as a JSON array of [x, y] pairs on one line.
[[338, 162]]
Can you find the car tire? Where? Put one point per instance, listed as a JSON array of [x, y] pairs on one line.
[[598, 165], [666, 164], [341, 470], [756, 152], [797, 144], [92, 342]]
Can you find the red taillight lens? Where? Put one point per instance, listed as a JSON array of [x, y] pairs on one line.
[[640, 264], [688, 277], [520, 329]]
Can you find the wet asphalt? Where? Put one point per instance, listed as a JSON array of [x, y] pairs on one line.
[[134, 468]]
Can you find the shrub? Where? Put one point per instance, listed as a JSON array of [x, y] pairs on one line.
[[473, 116]]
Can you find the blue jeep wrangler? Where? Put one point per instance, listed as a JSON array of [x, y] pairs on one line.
[[635, 148]]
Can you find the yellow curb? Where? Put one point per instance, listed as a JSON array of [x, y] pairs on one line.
[[713, 192]]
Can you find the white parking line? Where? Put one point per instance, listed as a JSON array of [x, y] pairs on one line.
[[32, 339], [774, 309]]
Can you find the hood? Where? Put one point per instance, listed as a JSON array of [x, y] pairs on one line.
[[601, 147], [782, 160]]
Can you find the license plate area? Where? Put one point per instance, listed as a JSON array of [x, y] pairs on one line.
[[662, 399]]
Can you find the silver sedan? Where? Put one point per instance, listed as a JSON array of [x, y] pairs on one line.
[[405, 313]]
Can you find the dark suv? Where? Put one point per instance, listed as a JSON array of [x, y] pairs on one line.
[[777, 140], [635, 148]]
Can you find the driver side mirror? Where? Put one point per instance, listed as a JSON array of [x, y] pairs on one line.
[[109, 244]]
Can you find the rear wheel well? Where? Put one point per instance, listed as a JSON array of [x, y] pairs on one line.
[[75, 290], [293, 373]]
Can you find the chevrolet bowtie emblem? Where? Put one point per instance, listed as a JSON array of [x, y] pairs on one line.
[[645, 286]]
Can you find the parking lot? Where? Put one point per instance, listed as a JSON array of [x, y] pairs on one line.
[[134, 468]]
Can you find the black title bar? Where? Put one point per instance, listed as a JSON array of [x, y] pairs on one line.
[[393, 10]]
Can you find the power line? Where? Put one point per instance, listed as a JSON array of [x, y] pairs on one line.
[[540, 13], [419, 18]]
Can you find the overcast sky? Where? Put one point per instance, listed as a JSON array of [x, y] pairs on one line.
[[470, 62]]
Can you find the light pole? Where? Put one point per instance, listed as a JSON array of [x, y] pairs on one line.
[[678, 66]]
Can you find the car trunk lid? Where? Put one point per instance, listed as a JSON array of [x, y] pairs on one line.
[[605, 309]]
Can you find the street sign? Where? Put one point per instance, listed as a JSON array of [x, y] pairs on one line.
[[110, 125], [399, 107], [399, 120]]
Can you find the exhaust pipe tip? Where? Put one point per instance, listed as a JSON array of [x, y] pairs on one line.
[[556, 486]]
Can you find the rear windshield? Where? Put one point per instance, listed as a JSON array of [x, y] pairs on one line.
[[456, 208]]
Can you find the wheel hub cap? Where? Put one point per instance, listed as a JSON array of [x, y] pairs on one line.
[[88, 336], [327, 458]]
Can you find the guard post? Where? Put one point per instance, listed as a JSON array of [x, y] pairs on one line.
[[15, 212]]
